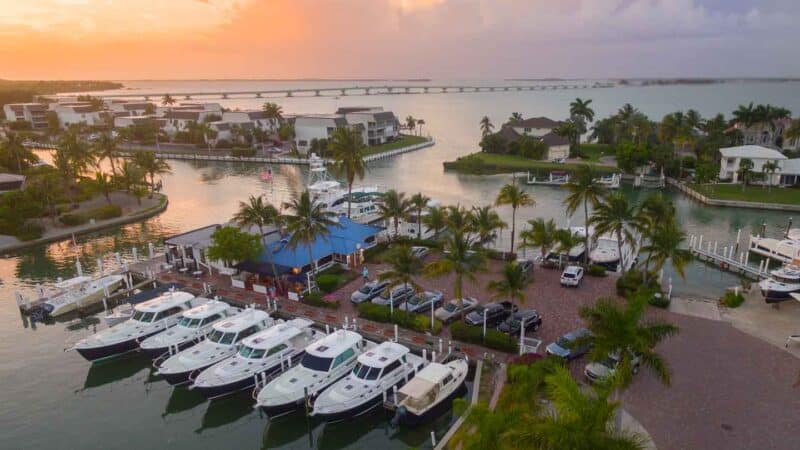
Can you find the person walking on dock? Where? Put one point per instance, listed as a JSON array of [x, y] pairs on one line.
[[365, 273]]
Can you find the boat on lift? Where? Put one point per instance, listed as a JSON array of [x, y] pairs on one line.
[[260, 357], [192, 327], [781, 284], [379, 370], [554, 178], [333, 196], [222, 342], [149, 318], [609, 181], [76, 293], [430, 393], [606, 252], [784, 250]]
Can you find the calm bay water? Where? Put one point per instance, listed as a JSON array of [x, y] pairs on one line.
[[55, 399]]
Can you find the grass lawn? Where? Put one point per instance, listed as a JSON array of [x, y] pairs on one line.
[[593, 152], [404, 141], [486, 163], [757, 194]]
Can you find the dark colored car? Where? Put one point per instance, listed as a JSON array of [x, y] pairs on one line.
[[563, 346], [530, 317], [495, 313]]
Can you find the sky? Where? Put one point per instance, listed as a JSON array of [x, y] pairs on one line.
[[463, 39]]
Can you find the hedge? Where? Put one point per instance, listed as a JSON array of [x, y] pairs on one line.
[[632, 281], [104, 212], [243, 152], [596, 270], [412, 321], [29, 231], [316, 299], [732, 300], [474, 335]]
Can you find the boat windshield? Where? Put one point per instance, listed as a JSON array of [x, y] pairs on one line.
[[144, 317], [366, 372], [189, 323], [252, 353], [221, 337], [316, 363]]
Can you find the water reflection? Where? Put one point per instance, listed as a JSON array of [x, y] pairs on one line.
[[114, 370], [226, 410], [182, 399]]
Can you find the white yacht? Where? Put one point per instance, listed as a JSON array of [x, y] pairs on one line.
[[263, 354], [377, 372], [325, 362], [78, 292], [333, 196], [783, 250], [606, 253], [220, 343], [781, 284], [192, 327], [575, 253], [149, 318], [430, 393]]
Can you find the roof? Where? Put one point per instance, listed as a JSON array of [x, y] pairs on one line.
[[11, 178], [508, 134], [384, 354], [353, 109], [751, 151], [198, 237], [333, 344], [184, 114], [538, 122], [84, 109], [277, 334], [433, 372], [552, 139], [133, 106], [164, 301], [343, 239], [385, 116], [241, 321], [206, 309]]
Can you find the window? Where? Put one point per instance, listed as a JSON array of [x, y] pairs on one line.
[[276, 349], [221, 337], [251, 353], [344, 356], [447, 379], [302, 143], [212, 318], [247, 332], [317, 363], [144, 317], [186, 322], [366, 372], [391, 367]]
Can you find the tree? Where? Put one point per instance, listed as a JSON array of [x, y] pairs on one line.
[[580, 108], [76, 151], [420, 123], [232, 245], [569, 130], [404, 266], [583, 190], [744, 171], [516, 197], [486, 126], [515, 119], [395, 206], [167, 100], [493, 143], [512, 283], [152, 166], [665, 243], [566, 240], [484, 428], [46, 187], [273, 112], [460, 219], [793, 130], [745, 115], [435, 220], [541, 235], [149, 109], [104, 184], [419, 201], [130, 175], [14, 153], [604, 131], [256, 212], [139, 192], [462, 259], [106, 148], [411, 123], [347, 148], [309, 222], [485, 223], [654, 212], [768, 169], [617, 216]]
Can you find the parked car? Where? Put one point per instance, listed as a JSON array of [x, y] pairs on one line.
[[368, 291], [526, 264], [495, 313], [450, 310], [423, 302], [396, 295], [420, 252], [563, 346], [572, 276], [600, 370], [511, 325]]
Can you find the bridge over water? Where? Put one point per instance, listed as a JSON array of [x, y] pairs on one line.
[[354, 91]]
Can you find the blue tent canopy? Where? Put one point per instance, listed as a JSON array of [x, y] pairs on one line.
[[343, 239]]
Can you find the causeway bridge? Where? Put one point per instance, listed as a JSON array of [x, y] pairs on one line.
[[354, 91]]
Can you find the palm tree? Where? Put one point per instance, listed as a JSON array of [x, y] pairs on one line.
[[511, 284], [130, 175], [106, 148], [744, 171], [793, 130], [579, 419], [566, 240], [515, 119], [395, 206], [273, 112], [460, 219], [583, 190], [768, 169], [103, 182], [571, 131], [435, 220], [404, 267], [167, 100], [745, 115], [514, 196], [654, 212], [665, 243], [486, 126], [152, 166], [420, 123], [541, 234], [486, 222], [309, 222], [257, 212], [461, 258], [419, 201], [615, 215], [17, 152], [580, 108], [411, 123], [694, 120], [484, 428], [46, 187], [347, 148], [77, 151]]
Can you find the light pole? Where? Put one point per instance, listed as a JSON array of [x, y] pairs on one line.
[[484, 324], [391, 303], [433, 306], [521, 335]]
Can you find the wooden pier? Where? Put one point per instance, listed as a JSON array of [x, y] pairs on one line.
[[730, 258]]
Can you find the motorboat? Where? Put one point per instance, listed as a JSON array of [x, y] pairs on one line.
[[77, 293], [430, 393], [609, 181], [606, 253], [379, 370], [781, 284], [192, 327], [574, 254], [793, 234], [555, 178], [324, 362], [260, 356], [413, 224], [221, 343], [334, 197], [783, 250], [149, 318]]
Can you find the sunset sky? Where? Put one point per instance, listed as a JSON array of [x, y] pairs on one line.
[[187, 39]]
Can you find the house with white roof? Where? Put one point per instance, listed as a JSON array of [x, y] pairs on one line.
[[790, 172], [377, 126], [33, 113], [732, 158], [123, 108]]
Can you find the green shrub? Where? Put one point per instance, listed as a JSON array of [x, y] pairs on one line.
[[328, 282], [659, 300], [474, 335], [104, 212], [316, 299], [243, 151], [412, 321], [732, 299], [29, 231], [375, 254], [596, 270], [72, 220], [632, 281]]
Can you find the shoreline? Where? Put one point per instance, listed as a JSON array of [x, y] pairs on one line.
[[80, 230], [691, 193]]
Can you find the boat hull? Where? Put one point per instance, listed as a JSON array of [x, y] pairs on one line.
[[155, 352], [179, 378], [281, 409], [350, 413], [107, 351], [220, 390], [773, 296], [410, 419]]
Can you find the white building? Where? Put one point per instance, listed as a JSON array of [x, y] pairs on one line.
[[33, 113], [119, 108], [790, 172], [378, 126], [540, 128], [536, 126], [255, 117], [733, 156], [178, 120], [208, 108], [126, 121], [71, 114], [318, 126], [223, 130]]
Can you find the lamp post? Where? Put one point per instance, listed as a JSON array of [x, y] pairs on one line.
[[521, 335], [484, 324]]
